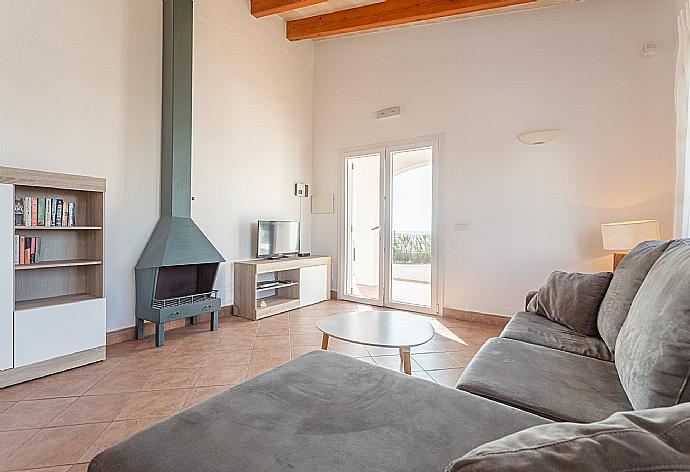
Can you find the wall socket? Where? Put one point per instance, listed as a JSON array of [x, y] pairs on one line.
[[461, 226]]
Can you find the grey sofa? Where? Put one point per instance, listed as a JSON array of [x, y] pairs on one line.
[[545, 368], [327, 412]]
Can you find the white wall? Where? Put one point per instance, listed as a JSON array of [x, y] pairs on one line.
[[80, 93], [252, 128], [482, 81]]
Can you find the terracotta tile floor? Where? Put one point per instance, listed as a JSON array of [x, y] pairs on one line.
[[60, 422]]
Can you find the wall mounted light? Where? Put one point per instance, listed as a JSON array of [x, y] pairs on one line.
[[534, 138]]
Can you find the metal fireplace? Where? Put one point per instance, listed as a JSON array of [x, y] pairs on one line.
[[177, 270], [168, 293]]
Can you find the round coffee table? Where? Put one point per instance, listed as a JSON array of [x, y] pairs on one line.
[[394, 329]]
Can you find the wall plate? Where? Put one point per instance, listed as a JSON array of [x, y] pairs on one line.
[[322, 204], [388, 112]]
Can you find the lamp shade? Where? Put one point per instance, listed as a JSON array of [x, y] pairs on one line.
[[624, 236]]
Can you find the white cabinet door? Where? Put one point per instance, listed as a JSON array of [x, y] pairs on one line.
[[53, 331], [6, 275], [313, 284]]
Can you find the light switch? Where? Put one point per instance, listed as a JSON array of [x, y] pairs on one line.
[[461, 226]]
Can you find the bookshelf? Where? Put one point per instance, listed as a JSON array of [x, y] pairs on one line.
[[57, 316]]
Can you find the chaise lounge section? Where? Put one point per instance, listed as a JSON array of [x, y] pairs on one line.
[[321, 412]]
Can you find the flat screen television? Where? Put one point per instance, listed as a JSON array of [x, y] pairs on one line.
[[277, 238]]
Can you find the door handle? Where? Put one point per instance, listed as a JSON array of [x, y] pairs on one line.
[[375, 228]]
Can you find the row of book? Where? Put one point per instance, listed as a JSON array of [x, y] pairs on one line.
[[39, 211], [27, 250]]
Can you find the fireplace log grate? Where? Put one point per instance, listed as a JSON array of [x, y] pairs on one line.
[[186, 300]]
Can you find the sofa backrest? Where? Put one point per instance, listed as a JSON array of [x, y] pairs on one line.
[[653, 346], [627, 279]]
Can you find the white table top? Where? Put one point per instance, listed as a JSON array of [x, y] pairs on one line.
[[378, 328]]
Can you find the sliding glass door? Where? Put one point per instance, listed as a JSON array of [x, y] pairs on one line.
[[411, 227], [389, 253], [363, 214]]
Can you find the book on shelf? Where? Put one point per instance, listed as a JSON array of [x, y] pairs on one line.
[[20, 249], [40, 211], [49, 206], [27, 250], [27, 211], [19, 211], [34, 211], [41, 219], [53, 209], [16, 249], [58, 212], [71, 220]]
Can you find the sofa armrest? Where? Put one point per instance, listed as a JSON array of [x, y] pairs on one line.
[[529, 297]]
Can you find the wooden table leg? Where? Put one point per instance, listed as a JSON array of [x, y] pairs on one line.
[[324, 342], [407, 365], [402, 356]]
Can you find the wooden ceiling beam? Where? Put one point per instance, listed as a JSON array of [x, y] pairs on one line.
[[262, 8], [387, 13]]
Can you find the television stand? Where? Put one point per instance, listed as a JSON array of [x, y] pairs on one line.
[[275, 258], [297, 282]]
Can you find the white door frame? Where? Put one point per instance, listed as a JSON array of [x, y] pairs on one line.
[[437, 142]]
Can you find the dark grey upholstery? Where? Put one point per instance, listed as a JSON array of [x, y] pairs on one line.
[[536, 329], [572, 299], [647, 440], [528, 298], [653, 347], [627, 280], [551, 383], [321, 412]]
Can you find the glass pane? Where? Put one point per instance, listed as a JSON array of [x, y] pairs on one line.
[[411, 221], [363, 215]]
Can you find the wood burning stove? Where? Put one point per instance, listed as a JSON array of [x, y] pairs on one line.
[[176, 272], [173, 292]]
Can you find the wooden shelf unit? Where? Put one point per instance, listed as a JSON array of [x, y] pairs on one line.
[[50, 228], [51, 301], [276, 287], [58, 263], [310, 283], [275, 304], [57, 310]]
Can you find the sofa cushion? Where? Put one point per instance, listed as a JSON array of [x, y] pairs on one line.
[[627, 279], [653, 347], [643, 440], [536, 329], [572, 299], [320, 412], [554, 384]]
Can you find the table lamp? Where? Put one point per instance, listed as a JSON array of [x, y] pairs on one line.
[[622, 237]]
